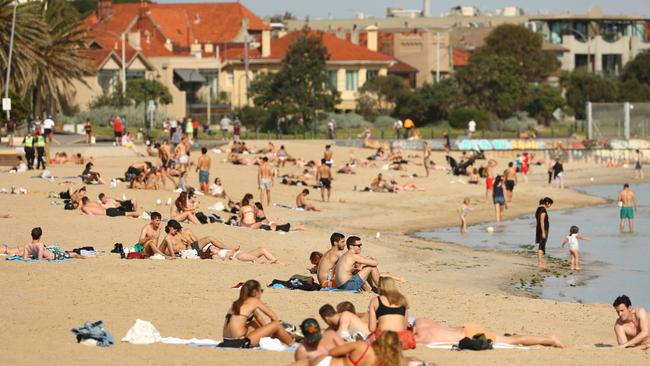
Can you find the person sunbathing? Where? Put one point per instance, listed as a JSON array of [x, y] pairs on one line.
[[408, 187], [387, 351], [183, 210], [347, 324], [389, 311], [88, 176], [95, 209], [107, 202], [63, 158], [316, 343], [347, 169], [427, 331], [379, 184], [234, 158], [147, 179], [245, 325], [37, 250]]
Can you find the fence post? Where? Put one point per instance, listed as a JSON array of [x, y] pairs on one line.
[[626, 127], [382, 134], [590, 122], [257, 134]]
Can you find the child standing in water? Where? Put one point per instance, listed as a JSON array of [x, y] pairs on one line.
[[464, 211], [572, 239]]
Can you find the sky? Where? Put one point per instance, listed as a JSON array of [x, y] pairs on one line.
[[377, 8]]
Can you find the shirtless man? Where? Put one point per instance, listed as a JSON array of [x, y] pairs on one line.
[[489, 180], [327, 156], [149, 236], [632, 328], [627, 203], [510, 176], [181, 155], [426, 152], [324, 176], [203, 167], [37, 250], [427, 331], [315, 343], [166, 163], [347, 324], [326, 266], [125, 205], [172, 244], [301, 201], [348, 306], [95, 209], [265, 175], [348, 263]]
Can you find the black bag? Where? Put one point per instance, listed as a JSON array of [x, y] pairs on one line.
[[477, 343], [65, 195], [202, 218], [235, 343], [68, 206]]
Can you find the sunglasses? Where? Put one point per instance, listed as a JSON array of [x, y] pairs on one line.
[[356, 245]]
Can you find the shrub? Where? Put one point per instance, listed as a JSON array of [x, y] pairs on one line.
[[459, 117]]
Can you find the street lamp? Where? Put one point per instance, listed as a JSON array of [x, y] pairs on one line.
[[11, 49], [123, 39]]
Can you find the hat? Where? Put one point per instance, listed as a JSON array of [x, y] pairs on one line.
[[310, 330], [174, 225]]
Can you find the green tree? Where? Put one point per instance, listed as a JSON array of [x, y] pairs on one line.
[[137, 92], [638, 69], [494, 84], [525, 48], [299, 88], [458, 117], [582, 87], [384, 91], [633, 91], [430, 103], [543, 101]]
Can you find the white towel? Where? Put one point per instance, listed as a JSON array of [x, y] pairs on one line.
[[191, 342], [142, 332], [449, 345]]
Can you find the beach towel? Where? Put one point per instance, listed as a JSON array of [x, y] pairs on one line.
[[450, 345], [339, 290], [142, 332], [282, 205], [266, 343], [21, 259], [190, 342]]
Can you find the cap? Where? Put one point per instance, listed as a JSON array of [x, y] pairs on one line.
[[310, 330]]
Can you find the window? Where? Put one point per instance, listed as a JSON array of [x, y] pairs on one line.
[[371, 74], [134, 74], [351, 80], [331, 79], [612, 64], [107, 80], [230, 76]]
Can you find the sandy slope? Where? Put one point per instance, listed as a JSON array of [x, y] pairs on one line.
[[41, 302]]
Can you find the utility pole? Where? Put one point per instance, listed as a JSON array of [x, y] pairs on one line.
[[11, 50]]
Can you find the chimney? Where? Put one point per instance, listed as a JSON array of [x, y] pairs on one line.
[[371, 31], [266, 43], [134, 39], [103, 8], [426, 8]]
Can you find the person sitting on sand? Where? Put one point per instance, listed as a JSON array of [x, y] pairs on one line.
[[348, 306], [301, 201], [386, 351], [245, 326], [37, 250], [379, 184], [326, 276], [314, 259], [234, 158], [95, 209], [129, 205], [283, 156], [247, 219], [20, 166], [316, 343], [88, 176], [389, 311], [77, 195], [348, 263], [632, 328], [427, 331], [150, 235], [347, 169], [217, 189], [183, 210], [347, 324]]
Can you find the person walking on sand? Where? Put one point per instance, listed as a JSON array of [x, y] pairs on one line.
[[541, 229], [558, 174], [627, 203], [88, 130], [572, 240], [324, 177], [498, 198], [426, 152], [265, 175], [638, 165], [632, 328], [327, 155], [489, 179], [203, 167], [510, 176], [464, 212]]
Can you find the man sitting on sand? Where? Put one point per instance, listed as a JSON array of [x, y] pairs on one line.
[[150, 235], [632, 327], [327, 264], [347, 324], [301, 201], [348, 263], [315, 343], [348, 306], [124, 205], [37, 250], [94, 208], [427, 331]]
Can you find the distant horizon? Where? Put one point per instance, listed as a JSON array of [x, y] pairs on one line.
[[346, 9]]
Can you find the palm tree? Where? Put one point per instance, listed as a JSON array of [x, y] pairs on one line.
[[63, 60], [30, 36]]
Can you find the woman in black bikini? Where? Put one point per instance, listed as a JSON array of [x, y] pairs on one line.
[[388, 311], [245, 326]]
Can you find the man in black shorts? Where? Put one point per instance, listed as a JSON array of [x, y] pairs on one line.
[[541, 229], [510, 176], [324, 176]]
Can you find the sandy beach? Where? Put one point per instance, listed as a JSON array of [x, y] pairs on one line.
[[189, 298]]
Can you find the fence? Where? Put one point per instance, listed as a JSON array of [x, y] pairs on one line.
[[618, 120]]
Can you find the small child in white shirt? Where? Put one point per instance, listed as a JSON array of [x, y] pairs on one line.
[[572, 240]]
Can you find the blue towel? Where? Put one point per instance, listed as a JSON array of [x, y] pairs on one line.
[[20, 259], [339, 289]]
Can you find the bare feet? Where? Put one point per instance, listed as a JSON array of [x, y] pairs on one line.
[[556, 342]]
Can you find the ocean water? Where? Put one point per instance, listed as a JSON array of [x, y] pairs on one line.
[[612, 263]]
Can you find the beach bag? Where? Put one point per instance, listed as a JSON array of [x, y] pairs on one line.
[[65, 195], [134, 255], [68, 205], [202, 218], [477, 343]]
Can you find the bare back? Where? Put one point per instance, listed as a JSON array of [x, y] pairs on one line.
[[327, 263]]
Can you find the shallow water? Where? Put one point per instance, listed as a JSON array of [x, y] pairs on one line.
[[612, 263]]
